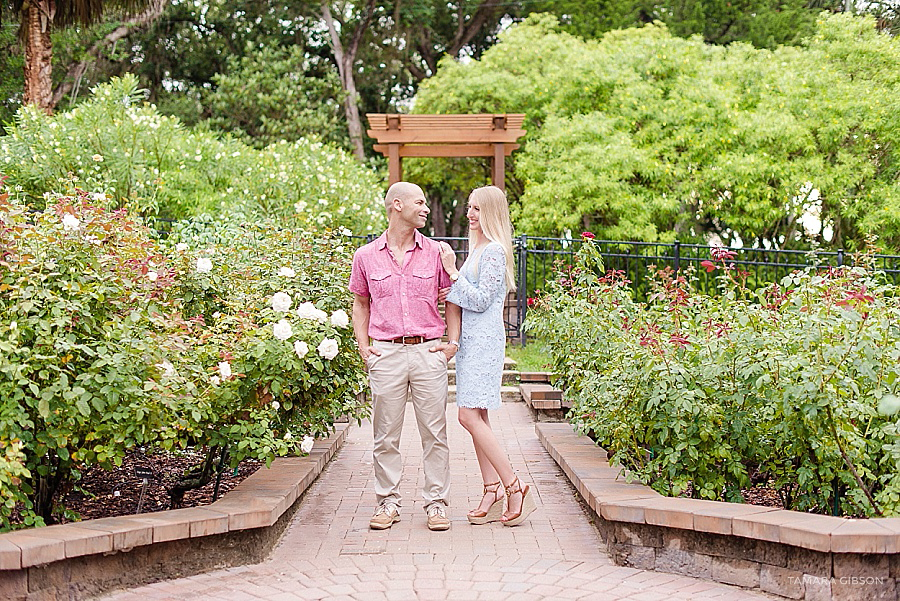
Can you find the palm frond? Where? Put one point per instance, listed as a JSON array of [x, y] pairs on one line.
[[71, 12]]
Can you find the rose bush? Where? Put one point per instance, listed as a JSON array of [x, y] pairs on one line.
[[793, 384], [111, 340]]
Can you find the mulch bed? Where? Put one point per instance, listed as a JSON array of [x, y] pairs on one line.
[[762, 495], [759, 494], [117, 492]]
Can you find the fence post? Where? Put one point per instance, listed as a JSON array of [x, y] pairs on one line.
[[522, 292], [840, 257], [677, 255]]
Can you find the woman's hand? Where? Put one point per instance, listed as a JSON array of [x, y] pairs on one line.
[[448, 258]]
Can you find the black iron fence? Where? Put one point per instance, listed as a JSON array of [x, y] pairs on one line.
[[539, 259]]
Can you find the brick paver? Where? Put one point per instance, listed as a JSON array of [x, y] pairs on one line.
[[328, 551]]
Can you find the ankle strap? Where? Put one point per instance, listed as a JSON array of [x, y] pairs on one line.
[[514, 487], [488, 485]]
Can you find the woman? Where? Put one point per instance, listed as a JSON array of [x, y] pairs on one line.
[[480, 289]]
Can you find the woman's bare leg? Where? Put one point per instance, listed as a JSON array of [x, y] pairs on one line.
[[492, 459]]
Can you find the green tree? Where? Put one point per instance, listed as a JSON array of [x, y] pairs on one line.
[[178, 55], [276, 94], [645, 135], [763, 23], [11, 80], [40, 17]]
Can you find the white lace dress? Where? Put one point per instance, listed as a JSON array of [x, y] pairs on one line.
[[482, 344]]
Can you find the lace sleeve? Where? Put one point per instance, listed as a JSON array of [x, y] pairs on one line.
[[491, 282]]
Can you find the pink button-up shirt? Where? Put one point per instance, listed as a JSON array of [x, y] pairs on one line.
[[403, 299]]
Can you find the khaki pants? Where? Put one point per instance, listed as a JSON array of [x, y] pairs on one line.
[[401, 371]]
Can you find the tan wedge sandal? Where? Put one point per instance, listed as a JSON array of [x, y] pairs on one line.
[[494, 511], [528, 506]]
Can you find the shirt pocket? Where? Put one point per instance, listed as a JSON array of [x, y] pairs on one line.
[[380, 284], [423, 284]]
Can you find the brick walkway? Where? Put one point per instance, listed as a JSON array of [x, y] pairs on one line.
[[328, 552]]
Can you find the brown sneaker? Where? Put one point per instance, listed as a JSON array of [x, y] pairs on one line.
[[385, 516], [437, 517]]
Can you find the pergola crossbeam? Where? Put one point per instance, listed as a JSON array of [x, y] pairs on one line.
[[440, 150], [484, 135]]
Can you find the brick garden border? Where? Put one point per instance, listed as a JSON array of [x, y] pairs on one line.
[[787, 553], [84, 559]]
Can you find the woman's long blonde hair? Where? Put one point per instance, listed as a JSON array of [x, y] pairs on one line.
[[493, 215]]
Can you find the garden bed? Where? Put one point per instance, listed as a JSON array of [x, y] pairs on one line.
[[104, 494], [117, 492]]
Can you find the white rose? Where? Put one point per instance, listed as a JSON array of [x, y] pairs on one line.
[[281, 301], [168, 369], [276, 405], [152, 275], [889, 404], [301, 348], [225, 369], [282, 330], [307, 444], [215, 380], [98, 158], [309, 311], [340, 319], [287, 435], [71, 223], [287, 272], [344, 231], [204, 265], [328, 348], [181, 247]]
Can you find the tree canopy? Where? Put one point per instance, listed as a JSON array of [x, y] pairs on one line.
[[645, 135], [763, 23]]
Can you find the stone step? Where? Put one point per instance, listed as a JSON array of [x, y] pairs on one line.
[[510, 377], [508, 394], [538, 377], [541, 396]]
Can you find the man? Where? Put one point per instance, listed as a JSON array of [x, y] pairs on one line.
[[396, 280]]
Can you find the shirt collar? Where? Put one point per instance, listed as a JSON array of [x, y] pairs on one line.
[[382, 241]]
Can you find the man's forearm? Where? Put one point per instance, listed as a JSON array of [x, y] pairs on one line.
[[361, 322]]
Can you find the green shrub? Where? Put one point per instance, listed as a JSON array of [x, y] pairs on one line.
[[111, 341], [794, 385], [12, 496], [127, 154]]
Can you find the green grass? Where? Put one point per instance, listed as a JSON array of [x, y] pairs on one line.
[[534, 356]]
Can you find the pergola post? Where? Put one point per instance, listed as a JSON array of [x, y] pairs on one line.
[[498, 169], [395, 165]]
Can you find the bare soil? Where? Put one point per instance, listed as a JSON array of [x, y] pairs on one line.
[[102, 493]]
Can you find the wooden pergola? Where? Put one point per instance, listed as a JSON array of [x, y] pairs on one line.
[[485, 135]]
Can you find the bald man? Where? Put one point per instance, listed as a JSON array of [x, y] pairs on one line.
[[395, 281]]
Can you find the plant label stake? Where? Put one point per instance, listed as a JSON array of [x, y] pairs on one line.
[[145, 474]]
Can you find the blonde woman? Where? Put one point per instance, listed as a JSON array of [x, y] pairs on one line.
[[480, 287]]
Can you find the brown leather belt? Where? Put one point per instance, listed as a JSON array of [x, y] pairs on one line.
[[409, 340]]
